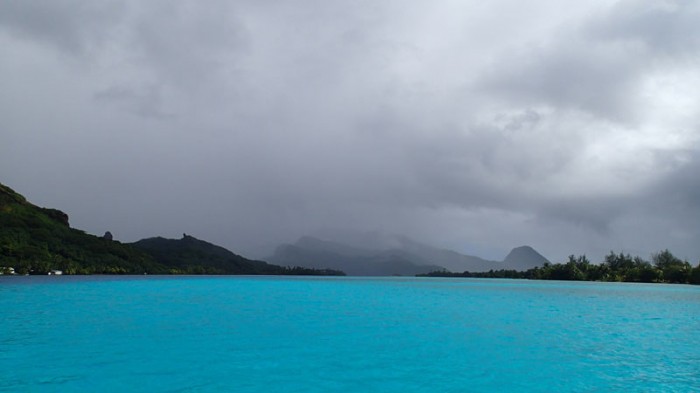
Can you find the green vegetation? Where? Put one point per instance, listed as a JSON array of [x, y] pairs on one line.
[[36, 240], [663, 268]]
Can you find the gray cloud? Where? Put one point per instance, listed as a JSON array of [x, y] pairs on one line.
[[599, 64], [570, 128], [145, 102], [665, 29], [73, 26]]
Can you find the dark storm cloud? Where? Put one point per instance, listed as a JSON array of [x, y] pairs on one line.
[[465, 124], [185, 44], [73, 26]]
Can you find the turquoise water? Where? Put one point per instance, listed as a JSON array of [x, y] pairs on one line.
[[273, 334]]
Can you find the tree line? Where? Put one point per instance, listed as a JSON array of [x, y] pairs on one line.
[[664, 267]]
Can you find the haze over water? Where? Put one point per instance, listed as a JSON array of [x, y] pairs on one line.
[[272, 334]]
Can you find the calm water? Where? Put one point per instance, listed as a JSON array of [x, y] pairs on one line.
[[269, 334]]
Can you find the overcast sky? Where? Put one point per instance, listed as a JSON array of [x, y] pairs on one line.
[[570, 126]]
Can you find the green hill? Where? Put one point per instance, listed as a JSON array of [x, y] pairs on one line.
[[193, 256], [37, 240]]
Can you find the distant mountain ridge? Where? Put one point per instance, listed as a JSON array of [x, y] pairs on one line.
[[320, 254], [402, 256]]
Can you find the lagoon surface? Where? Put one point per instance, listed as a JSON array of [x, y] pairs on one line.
[[287, 334]]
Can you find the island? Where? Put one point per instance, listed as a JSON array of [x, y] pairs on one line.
[[37, 240]]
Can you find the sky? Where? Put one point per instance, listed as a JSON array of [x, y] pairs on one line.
[[479, 126]]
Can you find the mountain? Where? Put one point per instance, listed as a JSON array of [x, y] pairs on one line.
[[449, 259], [523, 258], [397, 255], [320, 254], [37, 240], [193, 256]]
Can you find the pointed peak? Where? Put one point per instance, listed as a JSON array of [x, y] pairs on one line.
[[524, 257]]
